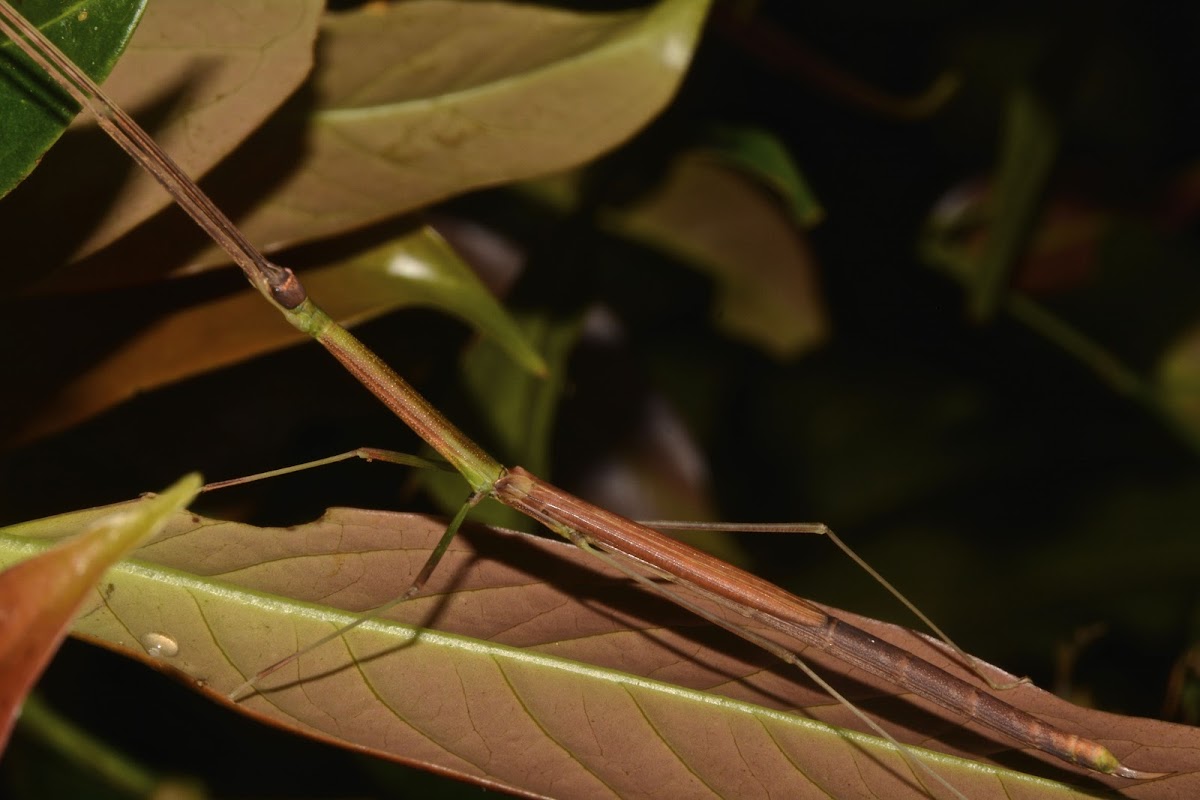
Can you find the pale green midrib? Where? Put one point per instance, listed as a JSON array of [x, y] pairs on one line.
[[11, 546]]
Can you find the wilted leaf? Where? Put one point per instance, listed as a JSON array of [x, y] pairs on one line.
[[416, 269], [40, 596], [200, 77], [536, 690], [717, 219], [34, 112], [414, 102]]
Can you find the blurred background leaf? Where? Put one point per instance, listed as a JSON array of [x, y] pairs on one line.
[[409, 268]]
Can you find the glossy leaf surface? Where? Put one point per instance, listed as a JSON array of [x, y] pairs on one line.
[[34, 112]]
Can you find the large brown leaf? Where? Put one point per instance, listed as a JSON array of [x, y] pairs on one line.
[[547, 675]]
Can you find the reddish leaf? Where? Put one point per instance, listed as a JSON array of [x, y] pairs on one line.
[[39, 596]]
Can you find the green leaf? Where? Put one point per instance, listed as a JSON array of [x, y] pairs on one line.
[[485, 93], [1177, 383], [200, 77], [761, 155], [716, 219], [1029, 150], [431, 273], [34, 111], [534, 680]]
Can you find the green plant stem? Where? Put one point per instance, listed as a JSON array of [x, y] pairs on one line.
[[1030, 147], [116, 769], [1123, 380]]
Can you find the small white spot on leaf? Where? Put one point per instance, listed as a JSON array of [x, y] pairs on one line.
[[676, 51]]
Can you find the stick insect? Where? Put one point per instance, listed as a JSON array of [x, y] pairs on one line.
[[625, 545]]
